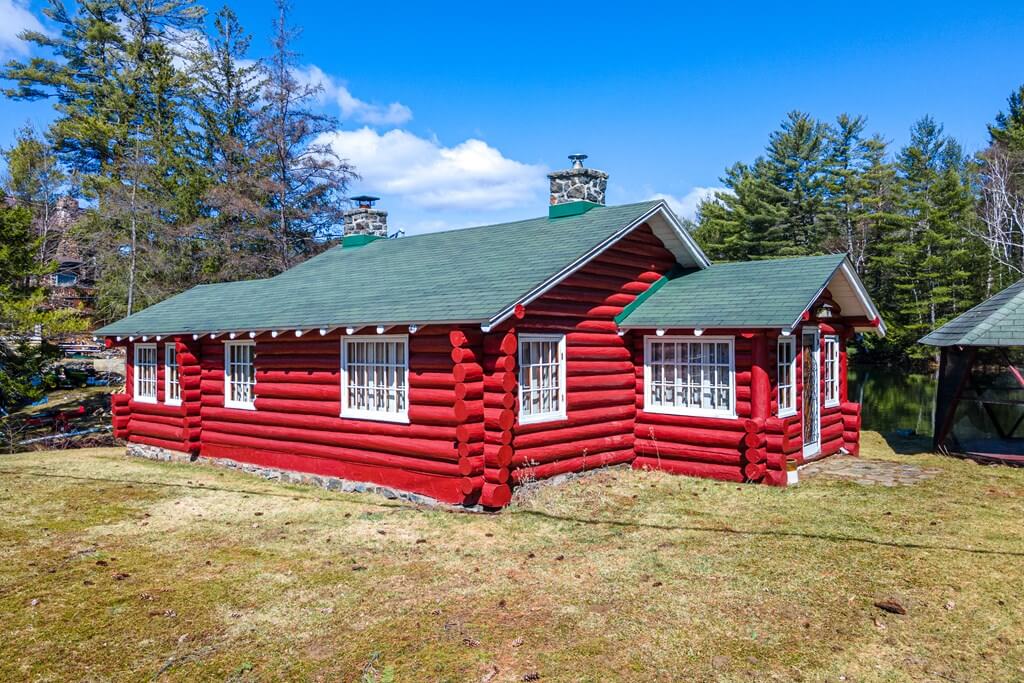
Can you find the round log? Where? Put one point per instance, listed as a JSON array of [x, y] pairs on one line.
[[693, 469]]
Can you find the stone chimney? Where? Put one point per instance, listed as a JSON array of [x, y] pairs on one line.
[[366, 220], [578, 184]]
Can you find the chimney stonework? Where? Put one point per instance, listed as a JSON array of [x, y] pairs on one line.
[[366, 220], [578, 184]]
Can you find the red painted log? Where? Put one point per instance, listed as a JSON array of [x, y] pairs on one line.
[[439, 487], [755, 471], [783, 444], [543, 454], [461, 354], [293, 362], [469, 373], [471, 391], [598, 353], [691, 435], [671, 451], [578, 418], [851, 423], [432, 415], [565, 324], [156, 430], [832, 432], [599, 382], [754, 439], [576, 368], [313, 347], [495, 495], [145, 408], [718, 423], [498, 436], [363, 457], [430, 362], [592, 297], [567, 434], [286, 436], [502, 400], [298, 376], [293, 406], [693, 469], [503, 419], [582, 400], [308, 392], [159, 443], [504, 345], [469, 432], [499, 364], [469, 450], [434, 380], [333, 424], [756, 454], [466, 411], [577, 464], [563, 309]]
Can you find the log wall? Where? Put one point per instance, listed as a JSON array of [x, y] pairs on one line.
[[598, 429]]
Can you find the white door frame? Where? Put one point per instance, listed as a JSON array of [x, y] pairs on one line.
[[812, 446]]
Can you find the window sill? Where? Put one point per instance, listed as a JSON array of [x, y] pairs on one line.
[[683, 412], [239, 406], [144, 399], [375, 417], [788, 413], [831, 404], [173, 404], [538, 419]]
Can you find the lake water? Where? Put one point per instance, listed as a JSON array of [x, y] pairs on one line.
[[893, 399]]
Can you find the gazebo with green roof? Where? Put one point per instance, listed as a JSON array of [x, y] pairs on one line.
[[994, 328]]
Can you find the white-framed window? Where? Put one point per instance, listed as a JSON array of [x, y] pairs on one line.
[[831, 370], [145, 373], [375, 377], [690, 376], [239, 374], [786, 364], [541, 378], [172, 387]]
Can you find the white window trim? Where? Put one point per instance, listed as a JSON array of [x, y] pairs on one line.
[[355, 414], [229, 403], [135, 373], [789, 341], [649, 405], [834, 338], [171, 349], [561, 414]]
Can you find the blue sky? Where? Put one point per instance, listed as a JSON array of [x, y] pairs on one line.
[[454, 112]]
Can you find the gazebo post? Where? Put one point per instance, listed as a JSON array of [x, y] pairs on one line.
[[946, 402]]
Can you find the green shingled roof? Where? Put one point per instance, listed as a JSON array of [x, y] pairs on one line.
[[998, 321], [467, 275], [769, 293]]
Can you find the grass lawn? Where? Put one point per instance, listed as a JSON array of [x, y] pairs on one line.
[[122, 569]]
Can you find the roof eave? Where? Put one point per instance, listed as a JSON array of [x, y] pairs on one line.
[[858, 289]]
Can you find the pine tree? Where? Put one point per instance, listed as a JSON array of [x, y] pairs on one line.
[[236, 238]]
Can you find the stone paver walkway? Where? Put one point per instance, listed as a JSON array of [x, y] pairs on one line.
[[867, 472]]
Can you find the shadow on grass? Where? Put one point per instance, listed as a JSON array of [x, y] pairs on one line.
[[399, 506], [773, 533], [908, 445]]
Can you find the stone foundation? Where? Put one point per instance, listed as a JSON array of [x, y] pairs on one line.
[[290, 477]]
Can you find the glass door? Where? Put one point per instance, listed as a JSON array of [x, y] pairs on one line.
[[810, 360]]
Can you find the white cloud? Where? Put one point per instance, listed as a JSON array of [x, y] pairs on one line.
[[15, 17], [393, 114], [686, 206], [425, 173]]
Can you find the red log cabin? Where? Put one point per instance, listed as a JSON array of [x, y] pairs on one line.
[[458, 365]]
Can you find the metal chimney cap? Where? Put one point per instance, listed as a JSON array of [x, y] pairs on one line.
[[577, 160], [365, 201]]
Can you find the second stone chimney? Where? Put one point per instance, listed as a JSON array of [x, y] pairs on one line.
[[366, 220], [578, 184]]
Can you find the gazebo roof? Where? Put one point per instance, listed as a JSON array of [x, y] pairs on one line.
[[998, 321]]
